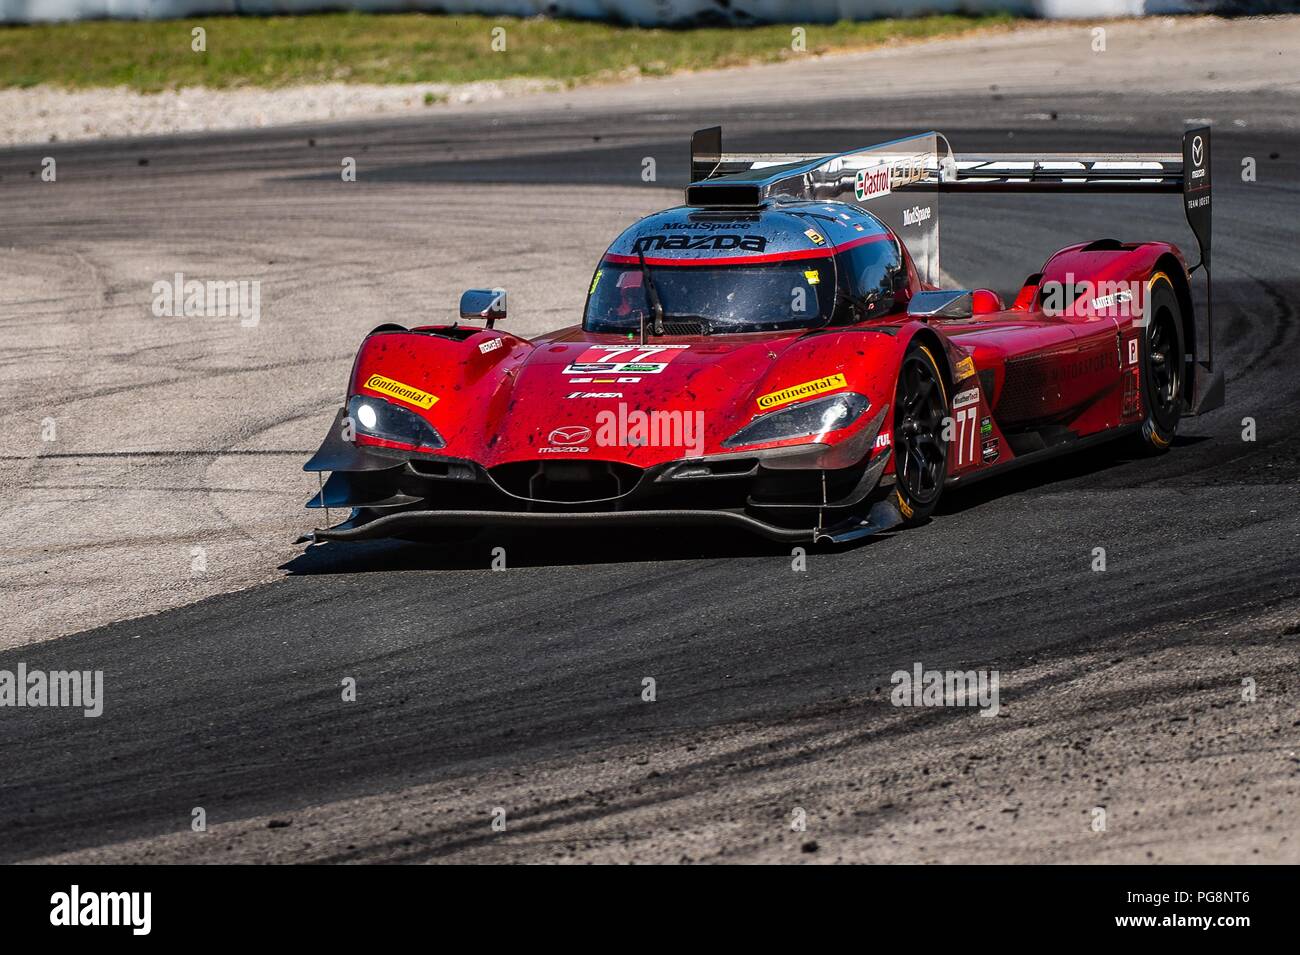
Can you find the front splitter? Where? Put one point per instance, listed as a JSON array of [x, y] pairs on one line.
[[393, 525], [882, 517]]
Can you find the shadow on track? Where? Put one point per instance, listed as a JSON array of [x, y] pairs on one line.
[[530, 549], [1099, 460]]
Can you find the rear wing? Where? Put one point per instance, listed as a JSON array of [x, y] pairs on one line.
[[901, 181]]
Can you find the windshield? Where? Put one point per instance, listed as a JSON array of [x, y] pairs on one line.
[[713, 300]]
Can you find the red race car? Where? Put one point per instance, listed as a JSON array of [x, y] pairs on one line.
[[781, 354]]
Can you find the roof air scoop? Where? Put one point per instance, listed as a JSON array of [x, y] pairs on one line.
[[736, 195]]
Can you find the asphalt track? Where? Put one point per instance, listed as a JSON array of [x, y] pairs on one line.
[[769, 682]]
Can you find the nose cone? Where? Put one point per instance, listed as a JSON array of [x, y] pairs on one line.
[[585, 399]]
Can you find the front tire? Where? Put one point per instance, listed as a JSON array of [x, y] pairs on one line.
[[920, 409], [1162, 352]]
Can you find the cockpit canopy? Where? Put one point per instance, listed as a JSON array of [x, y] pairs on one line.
[[790, 266]]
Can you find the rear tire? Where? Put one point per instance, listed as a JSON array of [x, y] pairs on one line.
[[921, 454], [1162, 351]]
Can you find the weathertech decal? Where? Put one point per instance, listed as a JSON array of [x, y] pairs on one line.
[[967, 397], [1113, 299], [805, 390], [387, 386], [624, 359]]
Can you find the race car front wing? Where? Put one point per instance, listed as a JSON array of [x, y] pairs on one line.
[[780, 493]]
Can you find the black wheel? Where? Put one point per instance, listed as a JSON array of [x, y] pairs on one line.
[[1162, 353], [921, 454]]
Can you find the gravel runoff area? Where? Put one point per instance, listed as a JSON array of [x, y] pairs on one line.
[[46, 114]]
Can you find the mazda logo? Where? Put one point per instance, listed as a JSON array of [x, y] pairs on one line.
[[1198, 151], [575, 435]]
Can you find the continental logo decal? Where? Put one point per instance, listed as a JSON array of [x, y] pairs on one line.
[[805, 390], [388, 386], [965, 368]]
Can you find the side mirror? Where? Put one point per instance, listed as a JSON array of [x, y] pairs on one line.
[[941, 304], [483, 303]]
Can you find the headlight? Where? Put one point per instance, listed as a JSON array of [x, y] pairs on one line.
[[378, 418], [808, 419]]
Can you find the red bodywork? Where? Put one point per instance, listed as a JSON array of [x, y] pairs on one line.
[[665, 404], [1075, 370]]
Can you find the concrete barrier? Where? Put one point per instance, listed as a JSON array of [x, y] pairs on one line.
[[640, 12]]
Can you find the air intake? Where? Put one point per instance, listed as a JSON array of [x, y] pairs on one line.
[[734, 195], [566, 481]]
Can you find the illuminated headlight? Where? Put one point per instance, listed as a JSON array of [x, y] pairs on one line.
[[807, 419], [378, 418]]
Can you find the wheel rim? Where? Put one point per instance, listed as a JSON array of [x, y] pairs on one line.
[[1164, 364], [919, 412]]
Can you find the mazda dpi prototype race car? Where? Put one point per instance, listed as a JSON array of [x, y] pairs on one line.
[[780, 354]]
